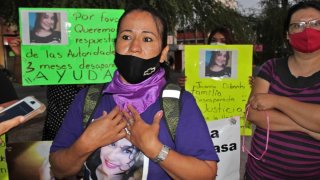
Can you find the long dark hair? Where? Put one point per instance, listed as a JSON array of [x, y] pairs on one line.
[[225, 32], [214, 55], [37, 24]]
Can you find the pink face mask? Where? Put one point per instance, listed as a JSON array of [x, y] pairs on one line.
[[306, 41]]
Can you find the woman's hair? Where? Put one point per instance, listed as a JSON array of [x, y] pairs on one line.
[[225, 32], [214, 55], [159, 19], [136, 169], [93, 161], [37, 24], [299, 6]]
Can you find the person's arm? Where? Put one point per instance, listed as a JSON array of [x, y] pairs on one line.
[[177, 165], [15, 45], [278, 120], [304, 114], [8, 103], [102, 131], [10, 123], [261, 100], [68, 162]]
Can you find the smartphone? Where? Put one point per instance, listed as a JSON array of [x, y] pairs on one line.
[[27, 107]]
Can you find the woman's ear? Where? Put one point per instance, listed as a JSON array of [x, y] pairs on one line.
[[164, 54]]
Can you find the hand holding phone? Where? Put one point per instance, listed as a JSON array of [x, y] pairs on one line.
[[27, 107], [10, 123]]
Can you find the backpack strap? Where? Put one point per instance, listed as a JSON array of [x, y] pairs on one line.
[[92, 99], [171, 106]]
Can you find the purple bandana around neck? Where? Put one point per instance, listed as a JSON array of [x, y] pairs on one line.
[[140, 95]]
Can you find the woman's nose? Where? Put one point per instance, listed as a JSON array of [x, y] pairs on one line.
[[135, 46], [114, 154]]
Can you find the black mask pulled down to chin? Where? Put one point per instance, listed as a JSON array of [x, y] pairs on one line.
[[134, 69]]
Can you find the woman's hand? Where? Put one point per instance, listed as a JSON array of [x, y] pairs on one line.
[[6, 125], [11, 123], [15, 46], [314, 135], [263, 101], [107, 129], [143, 135], [182, 81]]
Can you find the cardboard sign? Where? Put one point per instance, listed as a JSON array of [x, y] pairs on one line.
[[221, 93], [67, 46], [225, 134], [4, 174]]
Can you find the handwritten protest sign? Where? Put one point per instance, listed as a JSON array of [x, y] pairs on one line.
[[4, 175], [78, 50], [224, 94]]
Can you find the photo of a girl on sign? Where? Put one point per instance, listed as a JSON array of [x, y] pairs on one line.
[[219, 64], [46, 28]]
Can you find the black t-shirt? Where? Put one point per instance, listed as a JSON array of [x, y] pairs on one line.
[[7, 91], [226, 72], [55, 37]]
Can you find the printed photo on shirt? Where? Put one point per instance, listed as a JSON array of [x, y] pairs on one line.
[[119, 160]]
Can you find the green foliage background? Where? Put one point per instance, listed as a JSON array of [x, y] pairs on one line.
[[192, 15]]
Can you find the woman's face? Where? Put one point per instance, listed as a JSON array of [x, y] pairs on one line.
[[117, 157], [221, 58], [139, 36], [304, 15], [47, 21], [218, 38]]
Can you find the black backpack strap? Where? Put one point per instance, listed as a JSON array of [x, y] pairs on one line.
[[92, 99], [171, 106]]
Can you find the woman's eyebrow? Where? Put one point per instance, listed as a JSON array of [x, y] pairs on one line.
[[126, 30], [145, 32], [149, 32]]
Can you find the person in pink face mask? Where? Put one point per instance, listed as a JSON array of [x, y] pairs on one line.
[[44, 30], [287, 91]]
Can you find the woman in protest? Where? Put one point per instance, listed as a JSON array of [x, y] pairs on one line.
[[287, 91], [130, 108], [221, 35], [44, 30]]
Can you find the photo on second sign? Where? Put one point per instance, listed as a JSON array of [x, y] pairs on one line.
[[218, 64]]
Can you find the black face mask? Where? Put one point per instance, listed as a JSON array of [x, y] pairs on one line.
[[134, 69]]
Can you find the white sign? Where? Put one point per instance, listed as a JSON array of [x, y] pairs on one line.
[[225, 134]]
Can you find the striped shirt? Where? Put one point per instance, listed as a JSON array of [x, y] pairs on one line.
[[291, 154]]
